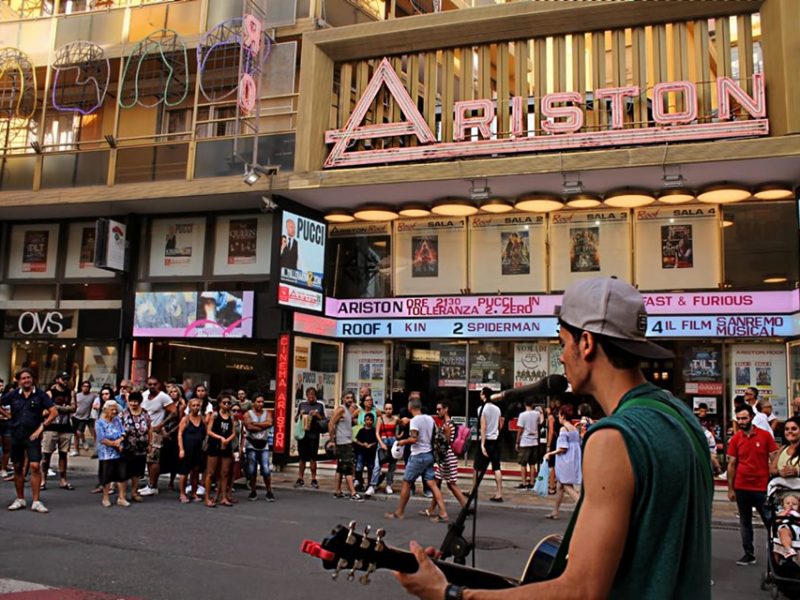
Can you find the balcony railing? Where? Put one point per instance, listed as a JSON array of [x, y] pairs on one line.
[[32, 9]]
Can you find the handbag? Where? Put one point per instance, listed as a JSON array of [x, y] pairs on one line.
[[256, 443], [299, 429], [540, 487], [322, 424]]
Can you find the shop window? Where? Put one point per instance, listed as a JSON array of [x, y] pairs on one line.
[[588, 244], [365, 366], [762, 366], [359, 261], [761, 243], [508, 254], [430, 256], [677, 249], [436, 370]]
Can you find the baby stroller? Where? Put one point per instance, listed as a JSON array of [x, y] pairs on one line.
[[783, 572]]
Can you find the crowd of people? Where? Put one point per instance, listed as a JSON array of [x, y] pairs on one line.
[[136, 435]]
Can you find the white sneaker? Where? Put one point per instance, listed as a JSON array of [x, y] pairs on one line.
[[3, 473], [17, 504], [74, 453], [201, 491], [51, 473], [389, 490], [39, 507], [148, 491], [370, 491]]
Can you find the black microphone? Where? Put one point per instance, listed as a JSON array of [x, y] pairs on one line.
[[546, 386]]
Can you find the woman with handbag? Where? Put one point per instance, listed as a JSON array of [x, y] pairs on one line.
[[191, 439], [257, 423], [138, 437]]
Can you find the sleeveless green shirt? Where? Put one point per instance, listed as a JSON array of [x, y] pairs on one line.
[[668, 549]]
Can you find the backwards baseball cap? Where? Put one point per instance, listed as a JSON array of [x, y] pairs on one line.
[[63, 375], [612, 308]]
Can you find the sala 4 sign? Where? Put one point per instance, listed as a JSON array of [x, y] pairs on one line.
[[562, 118]]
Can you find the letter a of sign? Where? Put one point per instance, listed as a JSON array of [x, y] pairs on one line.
[[352, 131]]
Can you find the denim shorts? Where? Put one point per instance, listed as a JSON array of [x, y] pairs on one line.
[[254, 458], [419, 465]]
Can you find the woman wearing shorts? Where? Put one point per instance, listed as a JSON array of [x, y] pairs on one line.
[[447, 469], [191, 433], [221, 433], [137, 435]]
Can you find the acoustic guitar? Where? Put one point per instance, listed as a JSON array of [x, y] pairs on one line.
[[352, 552]]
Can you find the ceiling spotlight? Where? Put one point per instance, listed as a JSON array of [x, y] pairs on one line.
[[584, 200], [454, 207], [675, 195], [728, 221], [250, 176], [479, 191], [539, 202], [339, 216], [629, 198], [775, 278], [724, 193], [497, 206], [774, 191], [376, 212], [572, 184], [414, 210]]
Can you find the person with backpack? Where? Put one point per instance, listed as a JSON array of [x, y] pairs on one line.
[[445, 466]]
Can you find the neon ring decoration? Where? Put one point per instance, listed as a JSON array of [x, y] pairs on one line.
[[160, 56], [219, 51], [17, 84], [86, 88]]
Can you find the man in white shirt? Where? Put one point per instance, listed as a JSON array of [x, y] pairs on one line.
[[760, 420], [528, 444], [420, 463], [157, 404], [491, 422]]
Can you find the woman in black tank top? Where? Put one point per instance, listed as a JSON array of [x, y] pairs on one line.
[[191, 433], [221, 431]]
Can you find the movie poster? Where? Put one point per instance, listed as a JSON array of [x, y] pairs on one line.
[[425, 256], [242, 241], [762, 366], [34, 251], [87, 247], [178, 244], [676, 247], [516, 255], [743, 374], [452, 366], [584, 250], [484, 368], [531, 363]]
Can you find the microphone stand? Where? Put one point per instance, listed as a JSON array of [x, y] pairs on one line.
[[454, 543]]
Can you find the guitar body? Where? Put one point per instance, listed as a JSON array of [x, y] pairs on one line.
[[346, 550], [540, 563]]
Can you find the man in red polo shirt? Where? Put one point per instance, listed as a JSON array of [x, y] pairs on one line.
[[749, 454]]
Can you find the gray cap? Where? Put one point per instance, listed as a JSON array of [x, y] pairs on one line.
[[612, 308]]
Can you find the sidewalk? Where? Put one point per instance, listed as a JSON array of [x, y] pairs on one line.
[[723, 511]]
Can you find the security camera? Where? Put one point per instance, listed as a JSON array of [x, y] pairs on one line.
[[267, 170], [267, 205]]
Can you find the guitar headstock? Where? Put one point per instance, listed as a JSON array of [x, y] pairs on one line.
[[347, 550]]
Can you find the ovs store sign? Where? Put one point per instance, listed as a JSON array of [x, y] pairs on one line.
[[40, 324]]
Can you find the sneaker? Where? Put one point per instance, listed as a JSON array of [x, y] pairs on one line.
[[122, 502], [521, 486], [370, 491], [299, 483], [314, 484], [39, 507], [17, 504], [51, 473], [389, 490], [747, 559], [148, 491], [201, 491], [252, 496], [357, 497], [3, 473], [74, 453], [428, 494], [270, 496]]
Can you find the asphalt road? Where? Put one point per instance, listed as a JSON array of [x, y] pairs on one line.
[[164, 550]]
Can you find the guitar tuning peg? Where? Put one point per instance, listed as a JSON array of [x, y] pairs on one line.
[[351, 533], [340, 565], [379, 535], [364, 579], [365, 541], [352, 574]]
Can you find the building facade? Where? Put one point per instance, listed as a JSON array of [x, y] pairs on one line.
[[473, 165]]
